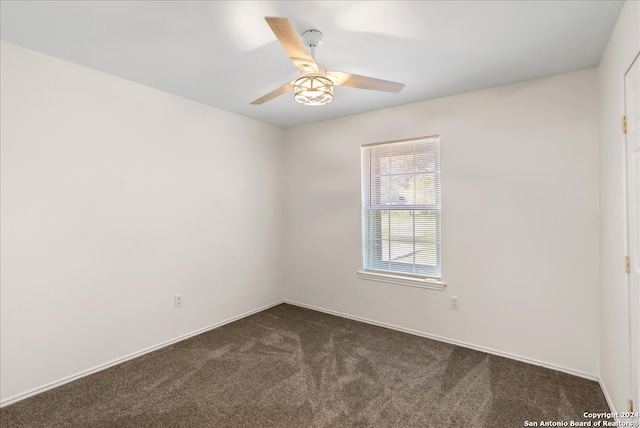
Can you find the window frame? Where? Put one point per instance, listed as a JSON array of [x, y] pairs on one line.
[[398, 276]]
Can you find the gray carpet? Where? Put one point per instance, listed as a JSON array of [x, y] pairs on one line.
[[292, 367]]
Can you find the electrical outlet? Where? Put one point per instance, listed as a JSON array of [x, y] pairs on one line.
[[454, 302], [178, 300]]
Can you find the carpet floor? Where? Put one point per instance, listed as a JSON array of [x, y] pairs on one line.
[[293, 367]]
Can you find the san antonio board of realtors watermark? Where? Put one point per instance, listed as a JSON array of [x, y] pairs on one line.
[[596, 420]]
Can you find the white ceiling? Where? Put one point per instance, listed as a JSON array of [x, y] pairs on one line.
[[224, 54]]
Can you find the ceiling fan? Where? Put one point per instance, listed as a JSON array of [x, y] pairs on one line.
[[315, 84]]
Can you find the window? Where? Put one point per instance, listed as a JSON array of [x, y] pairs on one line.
[[401, 212]]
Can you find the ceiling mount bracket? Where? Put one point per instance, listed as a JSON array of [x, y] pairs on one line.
[[312, 38]]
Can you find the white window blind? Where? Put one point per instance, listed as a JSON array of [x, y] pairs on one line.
[[401, 207]]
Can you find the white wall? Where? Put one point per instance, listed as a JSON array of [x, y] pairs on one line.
[[623, 46], [115, 197], [520, 219], [110, 207]]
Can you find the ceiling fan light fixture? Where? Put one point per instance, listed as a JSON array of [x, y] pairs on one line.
[[313, 90], [313, 87]]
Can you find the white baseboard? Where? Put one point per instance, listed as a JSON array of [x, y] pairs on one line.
[[607, 397], [451, 341], [131, 356]]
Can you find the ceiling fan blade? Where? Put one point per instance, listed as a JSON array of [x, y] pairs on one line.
[[275, 93], [291, 43], [356, 81]]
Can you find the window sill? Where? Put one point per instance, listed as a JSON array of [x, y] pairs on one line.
[[431, 283]]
